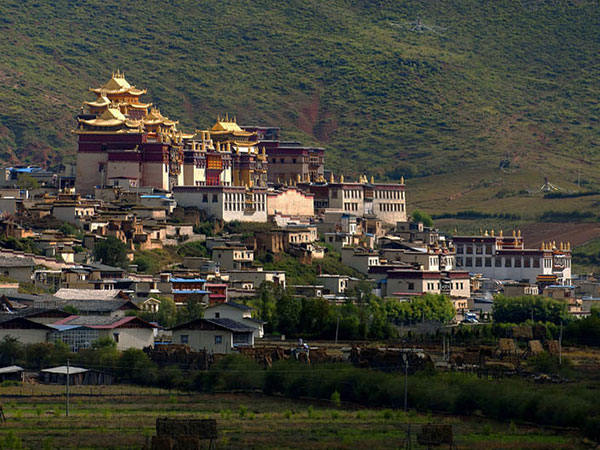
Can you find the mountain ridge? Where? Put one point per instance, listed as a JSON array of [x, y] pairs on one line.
[[494, 81]]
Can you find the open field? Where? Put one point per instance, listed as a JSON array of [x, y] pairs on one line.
[[124, 416]]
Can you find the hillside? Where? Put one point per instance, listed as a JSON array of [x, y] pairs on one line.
[[492, 81]]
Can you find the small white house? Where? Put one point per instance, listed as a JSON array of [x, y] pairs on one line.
[[220, 335], [239, 313]]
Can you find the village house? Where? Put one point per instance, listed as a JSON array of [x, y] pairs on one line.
[[19, 269], [255, 277], [238, 312], [233, 258], [127, 332], [226, 203], [336, 284], [214, 335], [359, 260]]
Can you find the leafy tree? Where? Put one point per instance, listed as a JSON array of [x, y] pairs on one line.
[[429, 307], [11, 351], [193, 309], [166, 315], [70, 309], [70, 229], [111, 251], [423, 217], [288, 311], [38, 356], [265, 304], [26, 181], [135, 366], [102, 356], [528, 307]]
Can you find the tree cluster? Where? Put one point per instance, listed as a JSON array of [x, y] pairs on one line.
[[362, 316], [528, 307]]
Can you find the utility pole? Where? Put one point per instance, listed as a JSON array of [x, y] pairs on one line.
[[67, 387], [560, 344], [337, 327]]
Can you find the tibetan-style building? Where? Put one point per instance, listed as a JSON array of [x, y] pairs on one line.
[[289, 161], [119, 136]]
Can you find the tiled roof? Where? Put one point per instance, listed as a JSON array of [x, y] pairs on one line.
[[233, 305], [86, 294], [16, 262], [100, 322], [230, 325]]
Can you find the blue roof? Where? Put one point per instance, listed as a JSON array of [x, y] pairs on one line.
[[67, 327], [561, 286], [153, 196], [188, 280], [26, 169]]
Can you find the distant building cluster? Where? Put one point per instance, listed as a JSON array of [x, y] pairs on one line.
[[143, 182]]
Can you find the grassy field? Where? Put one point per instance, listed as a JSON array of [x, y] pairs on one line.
[[123, 417]]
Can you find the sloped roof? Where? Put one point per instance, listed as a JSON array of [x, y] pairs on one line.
[[63, 370], [11, 369], [225, 324], [102, 322], [86, 294], [101, 305], [233, 305], [16, 262]]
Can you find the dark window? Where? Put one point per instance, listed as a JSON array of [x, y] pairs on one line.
[[488, 249], [479, 249], [469, 262], [498, 262], [477, 262], [218, 339], [507, 262], [469, 250], [215, 198], [217, 315], [116, 337], [282, 160], [518, 261], [205, 198], [184, 338], [294, 160], [527, 262], [460, 249], [411, 286], [488, 262], [459, 262], [536, 262]]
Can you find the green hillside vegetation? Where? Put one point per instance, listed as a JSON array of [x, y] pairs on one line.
[[502, 80]]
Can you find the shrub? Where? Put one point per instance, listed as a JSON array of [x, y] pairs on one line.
[[335, 398]]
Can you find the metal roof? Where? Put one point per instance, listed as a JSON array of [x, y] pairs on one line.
[[63, 370], [11, 369]]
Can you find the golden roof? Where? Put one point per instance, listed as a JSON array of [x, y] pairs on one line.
[[154, 117], [138, 105], [118, 85], [224, 125], [101, 101], [111, 117]]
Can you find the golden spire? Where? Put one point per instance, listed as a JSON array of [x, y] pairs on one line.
[[501, 233], [519, 233], [486, 233], [542, 245], [401, 180], [298, 178], [561, 246], [514, 233], [493, 232], [341, 178], [569, 246], [332, 178], [372, 179]]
